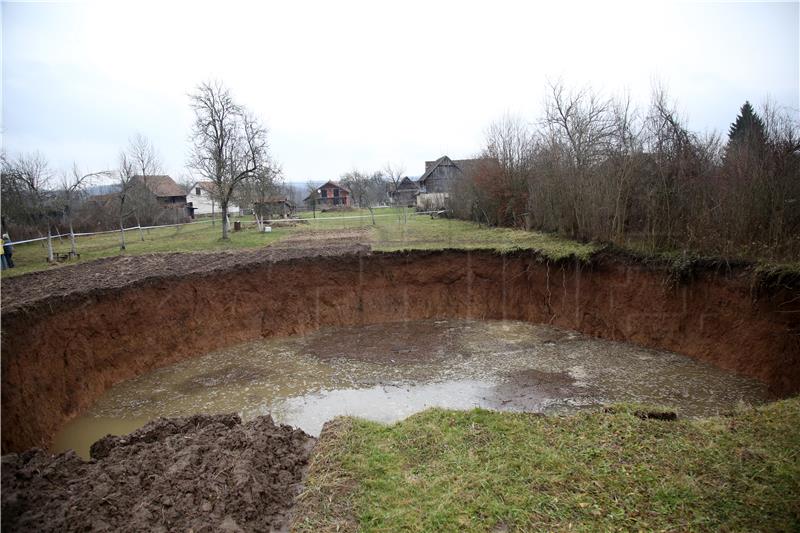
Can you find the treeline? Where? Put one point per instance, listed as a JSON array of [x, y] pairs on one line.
[[38, 199], [229, 152], [595, 168]]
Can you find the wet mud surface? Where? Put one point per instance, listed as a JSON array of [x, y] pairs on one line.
[[386, 372], [202, 473]]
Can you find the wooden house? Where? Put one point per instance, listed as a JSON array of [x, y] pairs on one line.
[[331, 194], [164, 188], [436, 184], [405, 193]]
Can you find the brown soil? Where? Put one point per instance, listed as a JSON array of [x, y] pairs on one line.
[[203, 473], [312, 238], [118, 272], [70, 334]]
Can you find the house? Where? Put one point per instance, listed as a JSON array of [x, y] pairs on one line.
[[274, 207], [331, 194], [164, 188], [203, 199], [406, 192], [436, 184]]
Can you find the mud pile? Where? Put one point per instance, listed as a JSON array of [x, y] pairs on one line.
[[202, 473]]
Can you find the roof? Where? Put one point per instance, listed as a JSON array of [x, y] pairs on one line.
[[407, 184], [161, 186], [331, 183], [275, 200], [103, 199], [464, 165], [208, 186]]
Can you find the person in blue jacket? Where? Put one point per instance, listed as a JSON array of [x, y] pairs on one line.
[[8, 251]]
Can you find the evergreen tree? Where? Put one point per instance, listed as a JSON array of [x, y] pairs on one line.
[[748, 129]]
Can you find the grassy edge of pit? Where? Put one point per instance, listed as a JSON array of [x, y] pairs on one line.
[[611, 469]]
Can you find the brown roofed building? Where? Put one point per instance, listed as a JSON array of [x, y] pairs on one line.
[[331, 194], [164, 188]]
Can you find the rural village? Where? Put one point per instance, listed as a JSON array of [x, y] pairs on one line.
[[391, 311]]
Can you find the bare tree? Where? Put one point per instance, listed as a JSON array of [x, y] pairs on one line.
[[125, 173], [72, 189], [366, 189], [509, 142], [313, 197], [258, 189], [394, 175], [578, 126], [144, 156], [28, 177], [146, 162], [229, 144]]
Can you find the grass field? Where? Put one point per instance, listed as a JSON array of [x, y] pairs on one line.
[[393, 230], [488, 471]]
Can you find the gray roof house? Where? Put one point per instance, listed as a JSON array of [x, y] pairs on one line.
[[406, 192], [437, 182]]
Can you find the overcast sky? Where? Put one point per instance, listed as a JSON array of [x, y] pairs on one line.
[[343, 84]]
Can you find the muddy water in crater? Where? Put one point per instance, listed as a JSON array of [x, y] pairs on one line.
[[389, 371]]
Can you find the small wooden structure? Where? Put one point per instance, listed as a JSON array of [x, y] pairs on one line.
[[274, 207], [406, 193]]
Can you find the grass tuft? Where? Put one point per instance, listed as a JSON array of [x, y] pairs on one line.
[[480, 470]]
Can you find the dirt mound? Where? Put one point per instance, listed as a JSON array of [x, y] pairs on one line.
[[313, 238], [202, 473]]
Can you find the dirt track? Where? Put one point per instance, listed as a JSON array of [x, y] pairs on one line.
[[203, 473]]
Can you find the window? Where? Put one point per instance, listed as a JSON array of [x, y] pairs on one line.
[[197, 191], [335, 193], [323, 193]]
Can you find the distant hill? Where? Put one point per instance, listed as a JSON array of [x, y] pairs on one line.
[[97, 190]]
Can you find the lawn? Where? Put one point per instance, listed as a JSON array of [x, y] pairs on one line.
[[393, 230], [190, 238], [480, 470]]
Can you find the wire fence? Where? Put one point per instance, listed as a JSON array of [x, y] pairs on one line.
[[364, 216]]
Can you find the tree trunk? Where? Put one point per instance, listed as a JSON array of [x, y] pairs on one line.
[[139, 225], [121, 235], [212, 214], [371, 212], [50, 257], [224, 208], [72, 238]]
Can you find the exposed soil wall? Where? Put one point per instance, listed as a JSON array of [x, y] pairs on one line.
[[61, 353]]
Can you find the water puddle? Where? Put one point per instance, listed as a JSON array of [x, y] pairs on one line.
[[386, 372]]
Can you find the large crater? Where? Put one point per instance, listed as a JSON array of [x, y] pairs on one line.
[[70, 334]]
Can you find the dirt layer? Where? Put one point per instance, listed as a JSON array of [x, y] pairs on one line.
[[118, 272], [202, 473], [70, 334]]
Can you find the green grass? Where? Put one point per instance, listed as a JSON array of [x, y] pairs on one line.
[[422, 232], [487, 471], [192, 238], [392, 231]]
